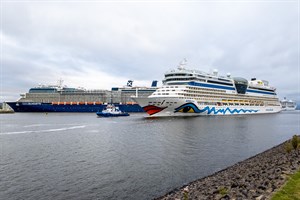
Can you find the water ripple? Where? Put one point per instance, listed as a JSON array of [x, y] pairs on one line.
[[44, 131]]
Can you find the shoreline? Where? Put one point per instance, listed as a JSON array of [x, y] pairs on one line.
[[6, 111], [257, 177]]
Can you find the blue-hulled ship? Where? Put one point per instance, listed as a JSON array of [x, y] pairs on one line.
[[59, 98]]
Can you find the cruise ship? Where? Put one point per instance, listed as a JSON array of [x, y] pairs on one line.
[[187, 92], [288, 105], [60, 98]]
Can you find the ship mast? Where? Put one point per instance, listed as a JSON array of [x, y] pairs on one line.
[[182, 64], [60, 83]]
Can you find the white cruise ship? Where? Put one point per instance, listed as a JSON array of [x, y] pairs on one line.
[[288, 105], [188, 92]]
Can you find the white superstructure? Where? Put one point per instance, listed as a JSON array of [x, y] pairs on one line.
[[188, 92], [288, 105]]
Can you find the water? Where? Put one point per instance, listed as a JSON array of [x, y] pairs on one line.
[[80, 156]]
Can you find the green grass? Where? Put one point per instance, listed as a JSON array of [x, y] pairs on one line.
[[291, 190]]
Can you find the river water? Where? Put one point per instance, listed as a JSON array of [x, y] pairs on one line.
[[81, 156]]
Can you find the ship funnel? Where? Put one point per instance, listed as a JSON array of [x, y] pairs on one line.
[[129, 83], [154, 84]]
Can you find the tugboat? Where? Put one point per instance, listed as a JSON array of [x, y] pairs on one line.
[[112, 111]]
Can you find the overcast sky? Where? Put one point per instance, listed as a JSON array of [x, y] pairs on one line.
[[102, 44]]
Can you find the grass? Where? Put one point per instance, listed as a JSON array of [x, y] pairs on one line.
[[291, 190], [223, 191]]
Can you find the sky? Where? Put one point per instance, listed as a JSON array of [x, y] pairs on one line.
[[102, 44]]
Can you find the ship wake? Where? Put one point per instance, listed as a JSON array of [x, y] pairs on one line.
[[44, 131]]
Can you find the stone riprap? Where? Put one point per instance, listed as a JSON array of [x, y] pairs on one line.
[[255, 178]]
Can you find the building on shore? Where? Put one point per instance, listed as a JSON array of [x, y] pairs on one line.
[[5, 108]]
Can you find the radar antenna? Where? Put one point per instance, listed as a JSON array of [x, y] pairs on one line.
[[182, 64], [60, 83]]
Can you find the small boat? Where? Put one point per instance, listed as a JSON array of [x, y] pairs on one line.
[[111, 111]]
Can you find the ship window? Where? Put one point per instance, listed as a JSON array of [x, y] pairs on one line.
[[241, 85], [218, 82]]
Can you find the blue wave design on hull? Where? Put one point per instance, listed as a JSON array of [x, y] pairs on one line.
[[192, 108], [223, 111]]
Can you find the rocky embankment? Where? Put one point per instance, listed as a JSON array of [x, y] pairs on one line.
[[255, 178]]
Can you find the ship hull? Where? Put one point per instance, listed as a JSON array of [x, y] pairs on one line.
[[164, 107], [49, 107], [289, 108]]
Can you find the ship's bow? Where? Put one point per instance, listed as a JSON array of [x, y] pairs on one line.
[[147, 107]]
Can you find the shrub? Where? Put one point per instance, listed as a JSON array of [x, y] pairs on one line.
[[288, 147], [295, 141], [223, 191], [186, 193]]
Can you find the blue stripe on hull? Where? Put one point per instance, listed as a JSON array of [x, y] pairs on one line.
[[48, 107]]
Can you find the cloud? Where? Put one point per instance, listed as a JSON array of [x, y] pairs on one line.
[[103, 44]]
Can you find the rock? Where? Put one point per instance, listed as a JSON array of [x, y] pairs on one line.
[[245, 193], [255, 178], [261, 187], [286, 172], [234, 185], [261, 197], [186, 189], [226, 197]]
